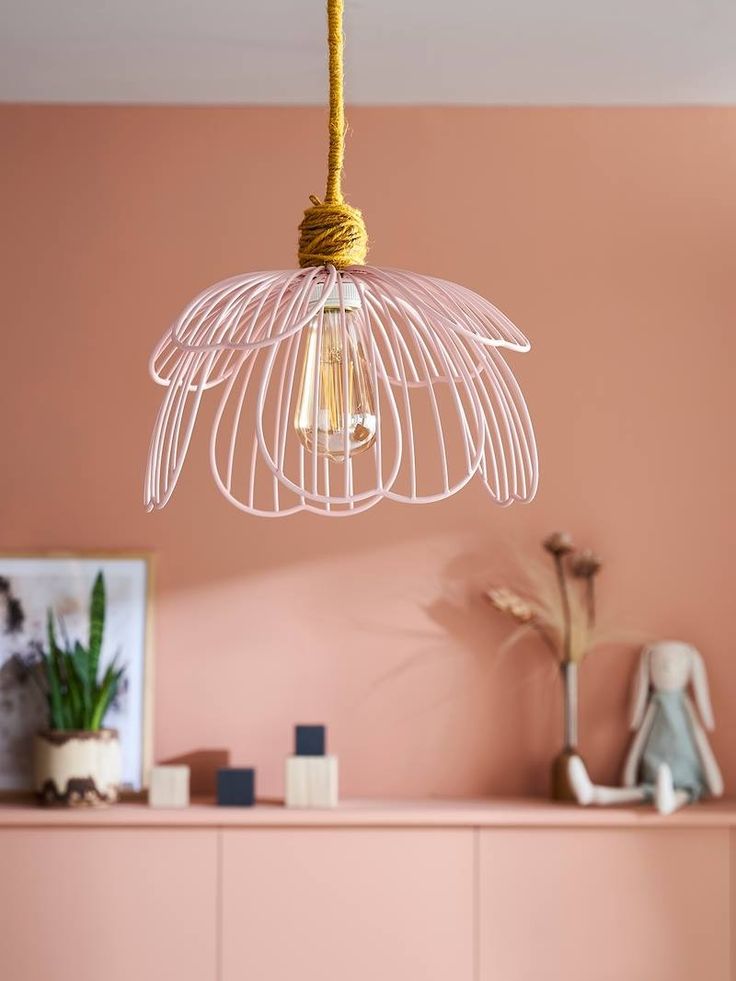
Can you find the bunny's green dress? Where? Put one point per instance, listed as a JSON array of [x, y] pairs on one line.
[[671, 740]]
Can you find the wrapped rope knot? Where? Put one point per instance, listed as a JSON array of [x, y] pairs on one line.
[[332, 233]]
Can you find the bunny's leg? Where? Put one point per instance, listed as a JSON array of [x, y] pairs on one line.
[[587, 792], [666, 798]]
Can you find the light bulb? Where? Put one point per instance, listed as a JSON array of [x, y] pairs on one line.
[[333, 359]]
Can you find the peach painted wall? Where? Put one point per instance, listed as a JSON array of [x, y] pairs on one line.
[[608, 235]]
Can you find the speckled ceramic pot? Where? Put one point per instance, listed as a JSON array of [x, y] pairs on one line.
[[77, 768]]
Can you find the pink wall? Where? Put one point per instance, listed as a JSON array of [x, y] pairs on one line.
[[607, 235]]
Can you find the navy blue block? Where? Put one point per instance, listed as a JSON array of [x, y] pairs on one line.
[[310, 740], [236, 787]]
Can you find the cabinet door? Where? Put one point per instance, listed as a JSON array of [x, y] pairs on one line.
[[87, 904], [613, 905], [332, 905]]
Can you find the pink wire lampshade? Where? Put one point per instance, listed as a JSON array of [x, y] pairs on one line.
[[442, 405], [340, 384]]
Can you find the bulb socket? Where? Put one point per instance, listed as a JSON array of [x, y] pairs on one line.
[[350, 296]]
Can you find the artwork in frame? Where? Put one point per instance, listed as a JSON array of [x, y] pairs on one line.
[[32, 584]]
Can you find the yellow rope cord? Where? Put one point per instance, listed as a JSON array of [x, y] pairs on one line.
[[335, 157], [332, 232]]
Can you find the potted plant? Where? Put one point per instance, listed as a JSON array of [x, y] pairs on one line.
[[77, 760]]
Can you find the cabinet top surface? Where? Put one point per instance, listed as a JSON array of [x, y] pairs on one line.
[[437, 813]]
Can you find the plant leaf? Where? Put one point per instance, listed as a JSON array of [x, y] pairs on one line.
[[56, 704], [106, 693], [80, 695], [52, 664], [96, 627], [80, 659]]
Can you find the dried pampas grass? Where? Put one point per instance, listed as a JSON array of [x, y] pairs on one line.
[[558, 601]]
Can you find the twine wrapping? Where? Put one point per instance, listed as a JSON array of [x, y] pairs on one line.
[[332, 232]]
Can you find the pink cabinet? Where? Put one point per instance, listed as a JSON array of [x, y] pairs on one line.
[[325, 904], [412, 891], [108, 903], [605, 904]]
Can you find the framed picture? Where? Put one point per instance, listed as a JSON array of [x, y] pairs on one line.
[[30, 586]]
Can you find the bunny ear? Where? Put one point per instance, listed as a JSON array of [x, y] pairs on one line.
[[641, 689], [699, 681]]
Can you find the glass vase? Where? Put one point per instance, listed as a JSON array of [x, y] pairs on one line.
[[560, 783]]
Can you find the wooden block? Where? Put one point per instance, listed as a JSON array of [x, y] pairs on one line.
[[310, 740], [236, 787], [311, 781], [169, 786]]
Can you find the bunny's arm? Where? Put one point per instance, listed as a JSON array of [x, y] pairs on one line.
[[631, 766], [712, 771]]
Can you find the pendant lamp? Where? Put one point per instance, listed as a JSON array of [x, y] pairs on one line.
[[337, 385]]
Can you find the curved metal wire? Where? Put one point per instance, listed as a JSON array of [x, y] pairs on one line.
[[447, 406]]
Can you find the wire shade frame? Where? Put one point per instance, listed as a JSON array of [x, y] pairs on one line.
[[446, 406]]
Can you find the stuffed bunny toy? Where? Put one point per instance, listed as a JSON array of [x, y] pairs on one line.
[[670, 760]]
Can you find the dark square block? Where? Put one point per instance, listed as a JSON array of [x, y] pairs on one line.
[[310, 740], [236, 787]]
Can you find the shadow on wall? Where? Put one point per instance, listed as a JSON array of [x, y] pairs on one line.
[[519, 682], [203, 765]]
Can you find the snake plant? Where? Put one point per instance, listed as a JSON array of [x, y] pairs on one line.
[[79, 694]]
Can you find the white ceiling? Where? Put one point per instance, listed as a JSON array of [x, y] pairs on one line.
[[398, 51]]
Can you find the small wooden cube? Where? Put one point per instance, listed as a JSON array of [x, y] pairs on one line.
[[310, 740], [236, 787], [169, 786], [311, 781]]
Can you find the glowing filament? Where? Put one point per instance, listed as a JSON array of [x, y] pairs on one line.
[[335, 410]]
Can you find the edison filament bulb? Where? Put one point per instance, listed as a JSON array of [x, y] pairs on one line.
[[335, 411]]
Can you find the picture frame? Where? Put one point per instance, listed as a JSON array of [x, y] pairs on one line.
[[31, 583]]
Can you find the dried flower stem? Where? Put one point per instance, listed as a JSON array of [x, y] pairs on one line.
[[590, 600], [511, 604], [565, 599]]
